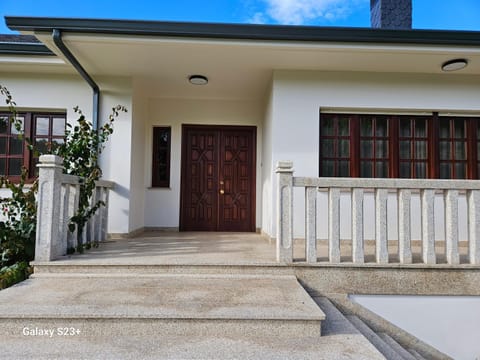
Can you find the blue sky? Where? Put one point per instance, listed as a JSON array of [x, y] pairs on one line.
[[427, 14]]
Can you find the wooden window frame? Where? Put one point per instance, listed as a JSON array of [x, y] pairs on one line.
[[28, 129], [157, 182], [472, 140]]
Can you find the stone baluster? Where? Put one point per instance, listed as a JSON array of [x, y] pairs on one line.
[[428, 226], [381, 240], [357, 226], [311, 224], [334, 225], [451, 227], [73, 201], [404, 226], [284, 243], [473, 199]]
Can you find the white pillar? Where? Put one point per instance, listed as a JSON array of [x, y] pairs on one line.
[[48, 243], [284, 172]]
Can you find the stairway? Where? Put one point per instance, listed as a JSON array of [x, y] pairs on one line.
[[179, 312], [169, 316]]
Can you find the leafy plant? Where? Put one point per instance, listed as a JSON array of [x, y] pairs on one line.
[[13, 274], [80, 152], [17, 229]]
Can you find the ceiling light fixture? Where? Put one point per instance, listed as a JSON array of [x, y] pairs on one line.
[[198, 80], [454, 65]]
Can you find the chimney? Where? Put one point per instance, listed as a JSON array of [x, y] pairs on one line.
[[391, 14]]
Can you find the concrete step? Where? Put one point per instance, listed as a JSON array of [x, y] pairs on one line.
[[396, 346], [98, 305], [375, 339], [335, 322], [198, 347], [416, 354]]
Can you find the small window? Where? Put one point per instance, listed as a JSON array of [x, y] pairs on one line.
[[161, 157]]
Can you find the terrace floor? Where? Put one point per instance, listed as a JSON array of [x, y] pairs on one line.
[[206, 248]]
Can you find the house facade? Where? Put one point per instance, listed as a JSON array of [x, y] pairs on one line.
[[214, 107]]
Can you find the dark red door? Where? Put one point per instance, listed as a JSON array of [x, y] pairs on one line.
[[218, 178]]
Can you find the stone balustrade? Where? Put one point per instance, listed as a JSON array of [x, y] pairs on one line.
[[428, 190], [58, 200]]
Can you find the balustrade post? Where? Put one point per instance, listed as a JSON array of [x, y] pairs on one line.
[[451, 227], [48, 242], [334, 225], [404, 226], [473, 199], [381, 240], [311, 224], [284, 244], [428, 226], [358, 254], [73, 201]]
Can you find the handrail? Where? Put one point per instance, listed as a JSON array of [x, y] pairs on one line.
[[428, 191]]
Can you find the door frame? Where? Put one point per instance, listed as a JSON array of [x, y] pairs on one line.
[[253, 180]]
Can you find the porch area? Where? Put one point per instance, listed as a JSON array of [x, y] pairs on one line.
[[226, 248]]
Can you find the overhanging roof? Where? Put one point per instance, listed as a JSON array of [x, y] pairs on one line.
[[239, 59], [244, 31]]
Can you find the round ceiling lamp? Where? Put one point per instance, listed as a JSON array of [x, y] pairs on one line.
[[454, 65], [198, 80]]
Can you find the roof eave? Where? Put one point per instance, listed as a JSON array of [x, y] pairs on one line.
[[25, 49], [244, 31]]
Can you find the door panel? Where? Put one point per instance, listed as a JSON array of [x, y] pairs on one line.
[[199, 207], [218, 178], [236, 174]]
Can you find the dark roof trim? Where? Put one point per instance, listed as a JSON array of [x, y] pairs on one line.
[[24, 49], [14, 38], [245, 31]]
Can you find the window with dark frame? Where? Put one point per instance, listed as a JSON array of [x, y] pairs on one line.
[[399, 146], [44, 130], [161, 156]]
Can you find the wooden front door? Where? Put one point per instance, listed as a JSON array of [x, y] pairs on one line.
[[218, 178]]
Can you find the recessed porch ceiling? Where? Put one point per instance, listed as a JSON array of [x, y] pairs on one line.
[[243, 69]]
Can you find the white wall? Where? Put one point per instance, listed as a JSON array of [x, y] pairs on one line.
[[162, 206], [64, 92], [298, 97], [115, 160], [49, 92], [448, 323]]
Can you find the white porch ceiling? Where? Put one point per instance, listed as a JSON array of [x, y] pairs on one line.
[[243, 69]]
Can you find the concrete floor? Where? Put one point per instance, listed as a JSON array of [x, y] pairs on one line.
[[206, 248]]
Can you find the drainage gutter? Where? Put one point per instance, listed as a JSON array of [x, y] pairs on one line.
[[57, 39]]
